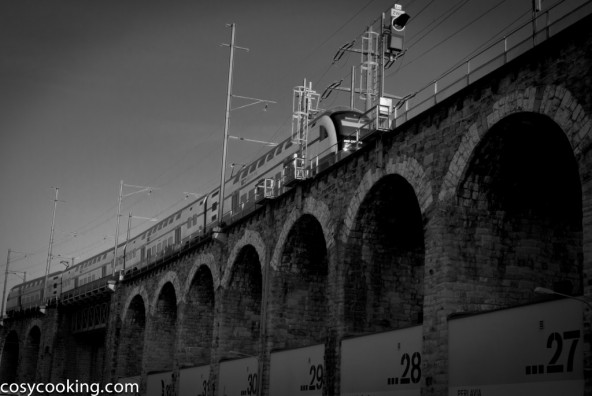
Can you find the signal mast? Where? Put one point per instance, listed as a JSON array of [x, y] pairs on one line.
[[379, 51]]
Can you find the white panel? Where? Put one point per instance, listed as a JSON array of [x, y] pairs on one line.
[[159, 384], [194, 381], [386, 363], [130, 380], [297, 372], [239, 377], [535, 349]]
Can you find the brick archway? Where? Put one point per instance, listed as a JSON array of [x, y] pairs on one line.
[[170, 276], [136, 291], [553, 101], [252, 238], [319, 210], [407, 167], [208, 260]]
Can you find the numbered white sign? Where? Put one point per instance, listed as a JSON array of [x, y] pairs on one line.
[[130, 380], [531, 350], [239, 377], [386, 363], [160, 384], [194, 381], [297, 372]]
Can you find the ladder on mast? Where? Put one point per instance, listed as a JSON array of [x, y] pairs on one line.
[[305, 103]]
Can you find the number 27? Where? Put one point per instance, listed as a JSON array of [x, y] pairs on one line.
[[557, 340]]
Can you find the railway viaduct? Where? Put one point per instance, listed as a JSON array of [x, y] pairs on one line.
[[465, 208]]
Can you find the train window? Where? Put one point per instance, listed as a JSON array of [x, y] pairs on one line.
[[288, 144], [214, 206], [260, 163], [323, 133], [215, 194], [178, 216], [195, 219], [279, 149], [269, 156], [159, 227], [243, 174], [189, 222]]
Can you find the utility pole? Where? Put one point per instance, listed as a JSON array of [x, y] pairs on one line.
[[49, 252], [229, 96], [226, 122], [5, 280], [121, 196]]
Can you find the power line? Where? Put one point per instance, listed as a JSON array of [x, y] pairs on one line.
[[451, 35]]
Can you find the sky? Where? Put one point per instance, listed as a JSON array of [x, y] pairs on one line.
[[96, 92]]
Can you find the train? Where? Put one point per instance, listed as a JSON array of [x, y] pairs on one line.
[[331, 135]]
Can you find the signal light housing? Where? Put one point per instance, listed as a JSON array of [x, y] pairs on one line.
[[398, 23], [399, 19]]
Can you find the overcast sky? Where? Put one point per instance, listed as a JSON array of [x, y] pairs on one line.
[[94, 92]]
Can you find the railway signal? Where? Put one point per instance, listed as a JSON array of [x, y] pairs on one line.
[[379, 51], [399, 19]]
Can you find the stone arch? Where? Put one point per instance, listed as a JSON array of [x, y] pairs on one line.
[[384, 247], [320, 211], [136, 291], [132, 335], [10, 358], [196, 318], [553, 101], [241, 299], [252, 238], [172, 278], [517, 213], [407, 167], [209, 261], [31, 353], [161, 329], [298, 306], [34, 322]]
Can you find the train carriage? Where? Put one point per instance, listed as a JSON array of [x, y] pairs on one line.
[[332, 134], [30, 294]]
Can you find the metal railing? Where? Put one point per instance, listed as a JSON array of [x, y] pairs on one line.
[[515, 43]]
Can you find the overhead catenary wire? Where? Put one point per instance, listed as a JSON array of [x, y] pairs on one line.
[[188, 152], [454, 33]]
